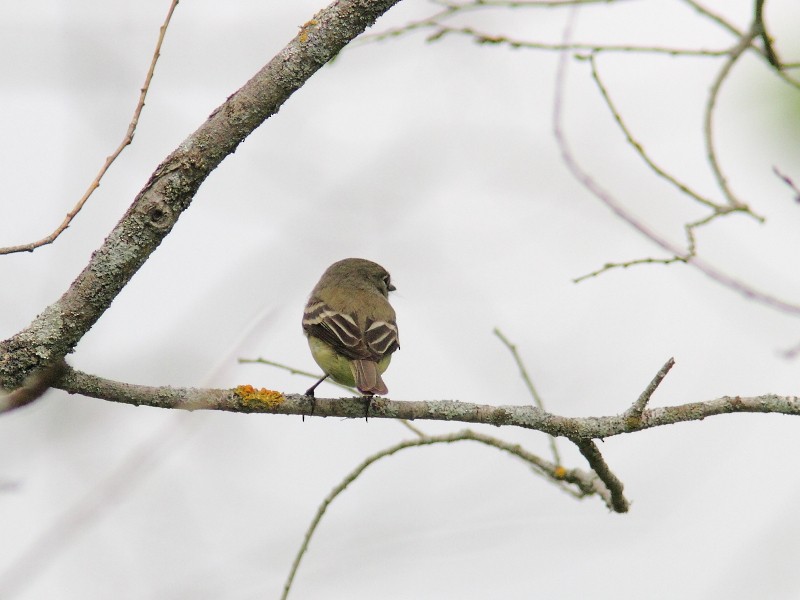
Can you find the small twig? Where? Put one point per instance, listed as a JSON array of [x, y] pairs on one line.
[[488, 39], [591, 453], [584, 481], [634, 413], [526, 3], [690, 236], [431, 21], [719, 20], [763, 52], [450, 9], [758, 24], [708, 119], [30, 247], [292, 370], [615, 206], [686, 257], [637, 146], [788, 181], [629, 263], [529, 384]]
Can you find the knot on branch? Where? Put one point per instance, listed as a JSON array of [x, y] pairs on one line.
[[156, 214]]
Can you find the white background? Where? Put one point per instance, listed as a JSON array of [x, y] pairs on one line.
[[437, 161]]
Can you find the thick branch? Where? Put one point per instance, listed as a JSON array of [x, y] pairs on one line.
[[249, 400], [154, 212], [34, 386]]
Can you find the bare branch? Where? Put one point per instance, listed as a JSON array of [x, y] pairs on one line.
[[590, 452], [761, 29], [30, 247], [489, 39], [529, 384], [634, 413], [718, 19], [616, 207], [779, 69], [247, 399], [415, 430], [586, 482], [708, 119], [171, 188], [33, 387], [637, 146]]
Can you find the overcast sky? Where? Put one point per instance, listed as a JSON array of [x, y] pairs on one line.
[[438, 161]]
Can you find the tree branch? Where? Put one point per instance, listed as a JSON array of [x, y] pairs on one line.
[[246, 399], [588, 182], [56, 331], [590, 452], [523, 371], [586, 482], [761, 28], [33, 387], [634, 413], [49, 239]]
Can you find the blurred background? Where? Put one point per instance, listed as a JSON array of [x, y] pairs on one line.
[[438, 161]]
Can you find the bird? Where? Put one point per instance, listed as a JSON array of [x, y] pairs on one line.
[[351, 327]]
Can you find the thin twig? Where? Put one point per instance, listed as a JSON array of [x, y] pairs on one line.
[[30, 247], [788, 181], [758, 25], [637, 146], [485, 38], [392, 32], [609, 266], [737, 33], [606, 198], [292, 370], [718, 19], [708, 119], [634, 413], [451, 9], [582, 480], [685, 257], [529, 384], [526, 3]]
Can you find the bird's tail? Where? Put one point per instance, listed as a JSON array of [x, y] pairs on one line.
[[368, 380]]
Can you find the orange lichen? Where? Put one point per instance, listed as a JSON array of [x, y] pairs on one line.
[[251, 396], [560, 472], [304, 30]]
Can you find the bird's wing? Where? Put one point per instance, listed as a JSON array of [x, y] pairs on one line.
[[342, 332]]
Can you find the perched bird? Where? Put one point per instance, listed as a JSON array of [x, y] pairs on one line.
[[351, 326]]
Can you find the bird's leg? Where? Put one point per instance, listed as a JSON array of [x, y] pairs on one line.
[[310, 393], [367, 405]]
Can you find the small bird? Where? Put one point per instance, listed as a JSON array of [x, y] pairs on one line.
[[351, 326]]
